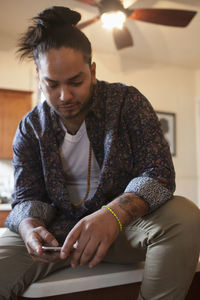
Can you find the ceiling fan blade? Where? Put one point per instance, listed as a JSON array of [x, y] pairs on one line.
[[87, 23], [122, 38], [169, 17], [89, 2]]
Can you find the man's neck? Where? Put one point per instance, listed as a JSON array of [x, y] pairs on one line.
[[73, 125]]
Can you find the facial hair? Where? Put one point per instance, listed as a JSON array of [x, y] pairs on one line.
[[84, 108]]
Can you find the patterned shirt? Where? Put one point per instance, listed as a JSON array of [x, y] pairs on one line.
[[128, 144]]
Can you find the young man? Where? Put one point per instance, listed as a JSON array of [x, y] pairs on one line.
[[93, 174]]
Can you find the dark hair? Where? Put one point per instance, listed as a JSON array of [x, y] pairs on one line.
[[54, 27]]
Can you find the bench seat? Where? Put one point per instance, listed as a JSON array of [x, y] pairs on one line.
[[70, 280]]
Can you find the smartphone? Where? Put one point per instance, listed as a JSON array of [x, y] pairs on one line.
[[46, 248]]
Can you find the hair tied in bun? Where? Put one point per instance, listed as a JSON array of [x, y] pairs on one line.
[[54, 27], [57, 16]]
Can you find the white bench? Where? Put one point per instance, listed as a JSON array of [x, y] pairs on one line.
[[81, 279]]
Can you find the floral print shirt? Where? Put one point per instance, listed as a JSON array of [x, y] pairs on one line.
[[128, 144]]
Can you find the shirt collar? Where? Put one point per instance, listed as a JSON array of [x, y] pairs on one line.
[[60, 133], [97, 96]]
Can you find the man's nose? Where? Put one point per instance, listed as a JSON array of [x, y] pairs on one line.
[[65, 93]]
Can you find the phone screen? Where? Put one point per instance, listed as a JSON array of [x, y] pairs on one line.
[[46, 248]]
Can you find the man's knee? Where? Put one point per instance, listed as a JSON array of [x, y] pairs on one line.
[[178, 218], [183, 212]]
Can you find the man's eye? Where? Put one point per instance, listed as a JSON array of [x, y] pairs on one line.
[[77, 83], [52, 86]]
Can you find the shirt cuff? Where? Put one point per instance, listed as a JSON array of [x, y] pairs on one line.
[[29, 209], [150, 190]]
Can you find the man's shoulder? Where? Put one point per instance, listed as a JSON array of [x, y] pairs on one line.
[[116, 89], [105, 85], [39, 109], [118, 93], [37, 120], [37, 114]]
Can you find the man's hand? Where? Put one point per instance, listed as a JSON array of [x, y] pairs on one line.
[[90, 239], [35, 236]]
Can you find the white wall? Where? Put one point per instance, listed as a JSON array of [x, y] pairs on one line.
[[17, 75], [169, 88]]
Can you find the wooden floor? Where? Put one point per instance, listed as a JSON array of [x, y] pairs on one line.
[[123, 292]]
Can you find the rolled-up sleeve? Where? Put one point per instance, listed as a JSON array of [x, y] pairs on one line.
[[29, 209], [149, 190]]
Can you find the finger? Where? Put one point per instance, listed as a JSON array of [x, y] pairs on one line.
[[70, 240], [34, 244], [46, 258], [46, 236], [51, 257], [78, 249], [89, 251], [101, 252], [40, 236], [39, 259]]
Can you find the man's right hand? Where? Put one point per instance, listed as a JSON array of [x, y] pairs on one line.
[[35, 235]]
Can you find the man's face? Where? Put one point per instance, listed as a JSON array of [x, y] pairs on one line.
[[66, 81]]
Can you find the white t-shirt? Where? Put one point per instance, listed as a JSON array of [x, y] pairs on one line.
[[74, 153]]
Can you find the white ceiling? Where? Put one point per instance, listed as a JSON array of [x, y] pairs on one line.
[[152, 43]]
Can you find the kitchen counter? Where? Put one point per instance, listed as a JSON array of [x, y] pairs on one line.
[[5, 206]]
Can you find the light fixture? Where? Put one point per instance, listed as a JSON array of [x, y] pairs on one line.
[[115, 19]]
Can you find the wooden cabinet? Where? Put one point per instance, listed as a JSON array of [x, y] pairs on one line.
[[3, 216], [13, 106], [4, 211]]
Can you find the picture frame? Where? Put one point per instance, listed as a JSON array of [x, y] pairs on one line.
[[168, 125]]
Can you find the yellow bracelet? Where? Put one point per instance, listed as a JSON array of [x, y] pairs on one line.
[[114, 214]]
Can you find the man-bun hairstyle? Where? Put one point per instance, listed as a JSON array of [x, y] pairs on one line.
[[54, 27], [58, 15]]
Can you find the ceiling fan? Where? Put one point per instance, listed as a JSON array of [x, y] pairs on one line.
[[122, 37]]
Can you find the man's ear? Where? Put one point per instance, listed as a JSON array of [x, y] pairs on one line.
[[93, 73]]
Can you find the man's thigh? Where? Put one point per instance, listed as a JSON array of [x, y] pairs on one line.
[[178, 214], [18, 270]]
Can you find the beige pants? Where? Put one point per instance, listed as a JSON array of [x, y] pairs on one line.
[[168, 240]]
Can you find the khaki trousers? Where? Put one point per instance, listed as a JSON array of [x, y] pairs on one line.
[[167, 239]]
